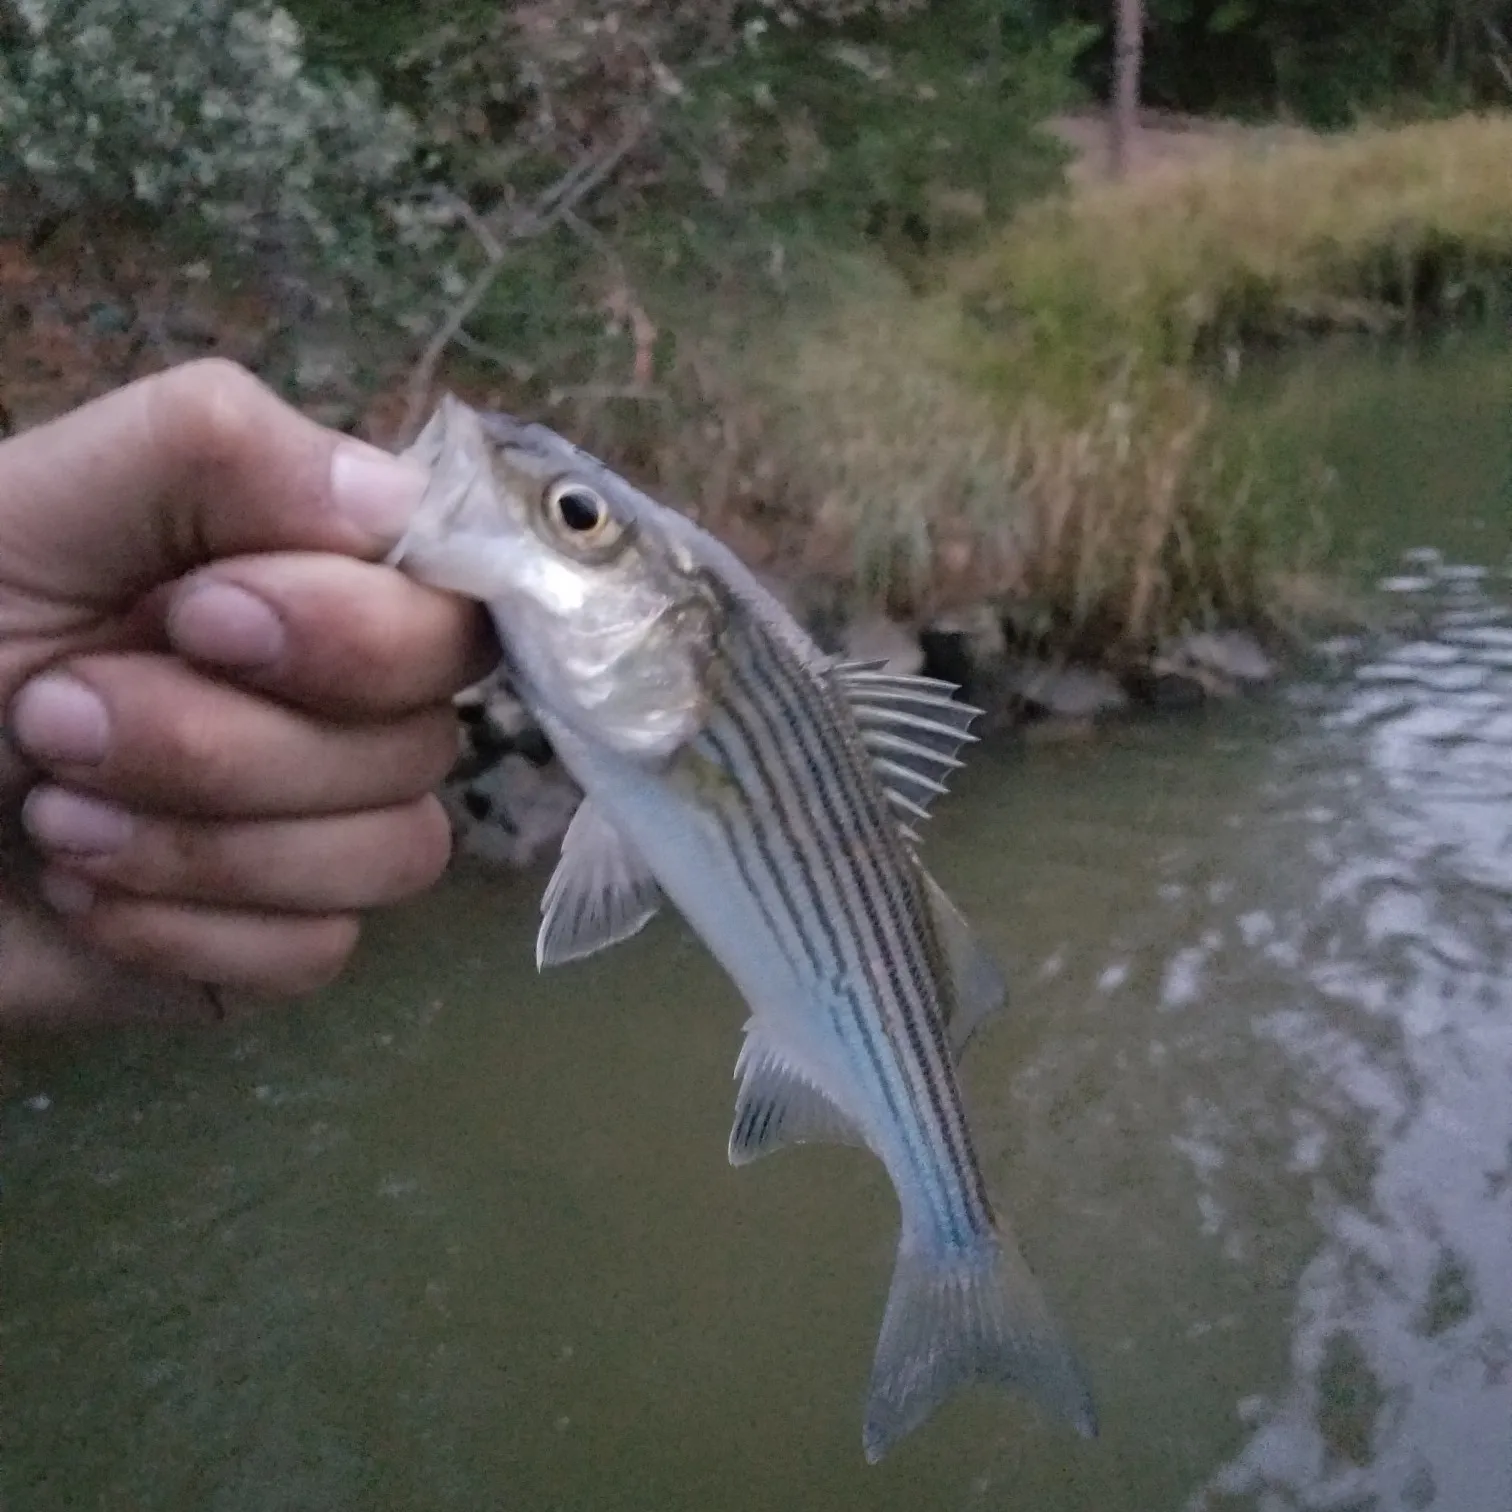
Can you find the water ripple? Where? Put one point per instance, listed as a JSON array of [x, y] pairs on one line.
[[1400, 1391]]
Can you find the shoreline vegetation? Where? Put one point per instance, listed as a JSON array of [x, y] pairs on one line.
[[1039, 436], [973, 412], [1069, 517], [1045, 429]]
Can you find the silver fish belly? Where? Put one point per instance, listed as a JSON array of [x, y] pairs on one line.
[[781, 829]]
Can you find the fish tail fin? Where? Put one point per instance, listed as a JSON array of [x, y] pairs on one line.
[[954, 1317]]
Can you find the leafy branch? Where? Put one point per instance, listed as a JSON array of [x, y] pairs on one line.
[[557, 204]]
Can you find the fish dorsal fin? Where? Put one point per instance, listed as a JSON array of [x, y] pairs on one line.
[[980, 987], [912, 726], [599, 894], [776, 1106]]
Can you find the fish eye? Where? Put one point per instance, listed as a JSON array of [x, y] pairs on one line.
[[578, 511]]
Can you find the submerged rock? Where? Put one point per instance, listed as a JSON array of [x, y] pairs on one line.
[[508, 797], [1202, 666], [513, 813], [1230, 653], [510, 800], [1069, 692]]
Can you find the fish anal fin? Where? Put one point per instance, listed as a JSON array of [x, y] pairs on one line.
[[955, 1317], [600, 893], [776, 1106], [980, 988]]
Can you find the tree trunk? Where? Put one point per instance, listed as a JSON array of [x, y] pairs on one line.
[[1123, 115]]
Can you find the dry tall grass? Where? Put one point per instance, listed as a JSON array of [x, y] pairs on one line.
[[1038, 435], [1253, 244], [863, 455]]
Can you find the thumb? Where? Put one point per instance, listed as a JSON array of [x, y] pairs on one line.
[[199, 462]]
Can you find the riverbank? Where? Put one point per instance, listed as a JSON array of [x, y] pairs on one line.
[[1249, 242], [1030, 487]]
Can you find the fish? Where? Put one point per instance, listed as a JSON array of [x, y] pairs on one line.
[[773, 795]]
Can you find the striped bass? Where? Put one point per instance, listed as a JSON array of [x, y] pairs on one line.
[[771, 794]]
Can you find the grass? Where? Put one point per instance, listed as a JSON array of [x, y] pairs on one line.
[[856, 451], [1255, 245], [1042, 433]]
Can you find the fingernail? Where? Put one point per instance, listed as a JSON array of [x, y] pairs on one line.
[[59, 820], [219, 622], [65, 893], [55, 717], [374, 490]]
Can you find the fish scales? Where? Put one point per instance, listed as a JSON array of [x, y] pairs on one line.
[[769, 793], [832, 826]]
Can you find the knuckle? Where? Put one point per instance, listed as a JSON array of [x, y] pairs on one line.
[[360, 653], [196, 750], [428, 852], [212, 405], [319, 957], [131, 932], [440, 744], [408, 758], [203, 859]]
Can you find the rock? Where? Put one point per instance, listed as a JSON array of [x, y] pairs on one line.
[[514, 812], [981, 627], [968, 647], [877, 638], [1229, 653], [1176, 692], [495, 724], [1069, 692], [947, 655], [508, 797]]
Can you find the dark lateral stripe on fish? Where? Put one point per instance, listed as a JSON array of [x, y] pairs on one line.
[[769, 865], [807, 712], [762, 762], [837, 775], [911, 922], [749, 762], [910, 925], [854, 865]]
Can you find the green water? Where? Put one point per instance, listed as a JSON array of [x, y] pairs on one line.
[[458, 1236]]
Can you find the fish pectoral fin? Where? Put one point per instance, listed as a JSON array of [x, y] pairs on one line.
[[954, 1317], [600, 893], [980, 987], [777, 1106]]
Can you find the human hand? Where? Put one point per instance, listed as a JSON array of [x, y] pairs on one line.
[[236, 714]]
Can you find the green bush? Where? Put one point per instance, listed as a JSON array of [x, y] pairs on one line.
[[203, 111]]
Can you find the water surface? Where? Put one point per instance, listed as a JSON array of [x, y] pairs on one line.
[[458, 1236]]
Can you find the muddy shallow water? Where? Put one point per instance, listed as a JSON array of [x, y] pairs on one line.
[[458, 1236]]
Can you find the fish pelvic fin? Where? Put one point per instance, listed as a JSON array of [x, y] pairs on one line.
[[954, 1317]]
